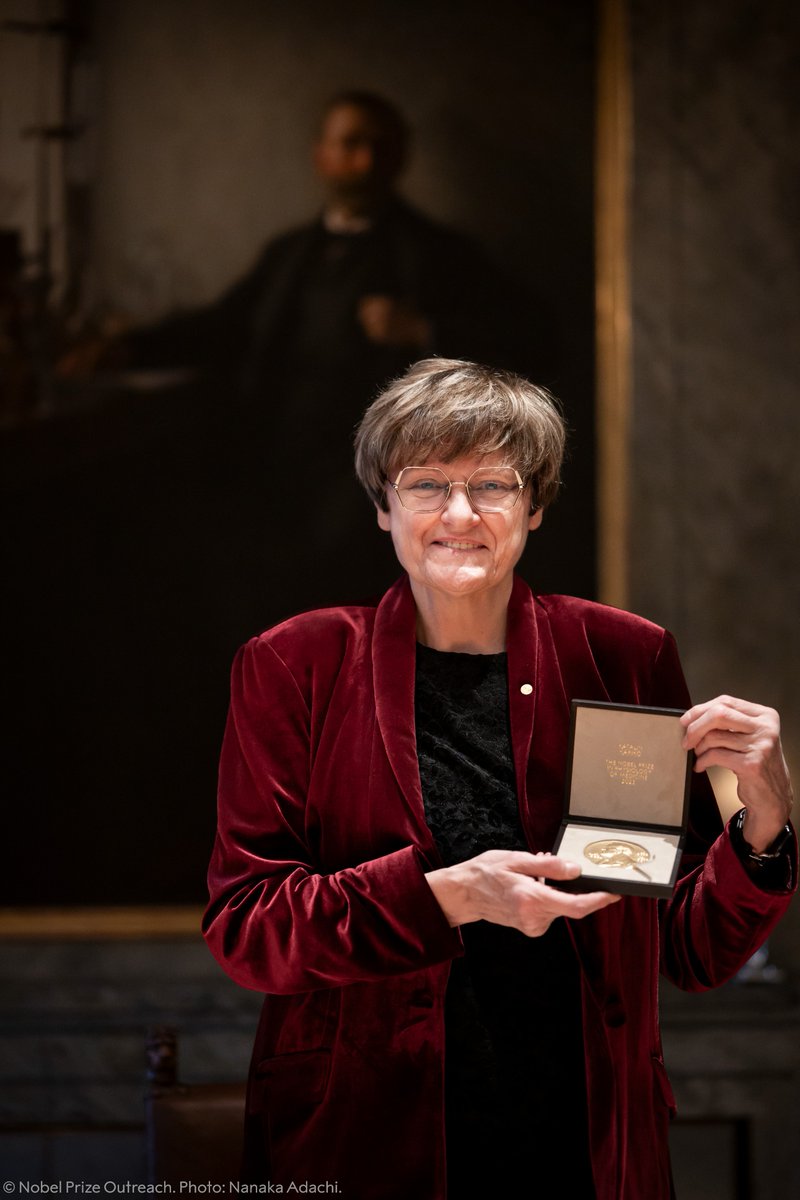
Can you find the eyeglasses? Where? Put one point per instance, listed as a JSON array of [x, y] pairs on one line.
[[489, 489]]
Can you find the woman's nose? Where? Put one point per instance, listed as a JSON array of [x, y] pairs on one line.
[[457, 506]]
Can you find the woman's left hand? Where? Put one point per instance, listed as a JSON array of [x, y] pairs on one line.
[[745, 738]]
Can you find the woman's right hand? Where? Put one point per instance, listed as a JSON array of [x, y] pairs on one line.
[[506, 887]]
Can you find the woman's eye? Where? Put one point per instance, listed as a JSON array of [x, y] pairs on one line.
[[490, 485], [427, 485]]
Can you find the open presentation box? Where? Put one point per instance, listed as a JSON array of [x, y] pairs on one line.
[[626, 799]]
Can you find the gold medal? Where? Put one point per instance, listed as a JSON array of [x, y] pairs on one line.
[[616, 853]]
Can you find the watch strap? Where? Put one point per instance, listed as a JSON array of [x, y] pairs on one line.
[[772, 852]]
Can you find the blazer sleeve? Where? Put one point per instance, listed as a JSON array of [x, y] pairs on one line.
[[276, 922], [718, 915]]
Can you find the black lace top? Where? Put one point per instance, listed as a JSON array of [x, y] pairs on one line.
[[514, 1068]]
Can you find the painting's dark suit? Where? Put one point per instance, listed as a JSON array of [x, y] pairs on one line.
[[288, 362], [249, 332], [319, 898]]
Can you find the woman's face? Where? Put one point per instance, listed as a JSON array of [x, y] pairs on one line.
[[457, 550]]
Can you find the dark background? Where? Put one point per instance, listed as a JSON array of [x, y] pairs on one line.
[[129, 581]]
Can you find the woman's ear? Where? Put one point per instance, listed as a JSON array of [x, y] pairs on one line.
[[536, 518], [384, 518]]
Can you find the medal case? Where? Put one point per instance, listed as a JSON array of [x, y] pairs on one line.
[[628, 781]]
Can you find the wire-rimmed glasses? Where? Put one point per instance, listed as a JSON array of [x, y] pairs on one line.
[[489, 489]]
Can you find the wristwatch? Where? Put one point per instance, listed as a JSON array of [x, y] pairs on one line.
[[773, 851]]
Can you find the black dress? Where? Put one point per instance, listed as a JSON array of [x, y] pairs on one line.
[[515, 1091]]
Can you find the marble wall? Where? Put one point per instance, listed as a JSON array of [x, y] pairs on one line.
[[715, 262]]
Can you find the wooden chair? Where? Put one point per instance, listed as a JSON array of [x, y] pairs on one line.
[[193, 1131]]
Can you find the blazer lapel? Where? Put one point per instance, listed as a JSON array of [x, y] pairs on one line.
[[522, 644], [394, 669], [539, 708]]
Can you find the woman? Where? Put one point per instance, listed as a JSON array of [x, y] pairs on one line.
[[390, 786]]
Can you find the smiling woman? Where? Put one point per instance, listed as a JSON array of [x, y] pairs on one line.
[[486, 439], [390, 788], [460, 556]]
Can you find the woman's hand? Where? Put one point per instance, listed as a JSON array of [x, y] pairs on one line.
[[506, 888], [745, 738]]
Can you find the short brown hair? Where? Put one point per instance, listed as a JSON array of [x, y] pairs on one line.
[[456, 409]]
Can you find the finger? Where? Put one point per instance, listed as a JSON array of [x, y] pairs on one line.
[[750, 762], [733, 760], [723, 719], [545, 866], [578, 905], [513, 859], [725, 716], [733, 702], [722, 739], [531, 906], [594, 901]]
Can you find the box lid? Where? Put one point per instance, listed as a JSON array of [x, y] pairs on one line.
[[627, 764]]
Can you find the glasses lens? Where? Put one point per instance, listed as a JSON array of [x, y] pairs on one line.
[[492, 489], [422, 489]]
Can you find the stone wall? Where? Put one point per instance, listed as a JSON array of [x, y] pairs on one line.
[[715, 261], [74, 1018], [73, 1025]]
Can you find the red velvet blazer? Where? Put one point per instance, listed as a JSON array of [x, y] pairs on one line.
[[318, 895]]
